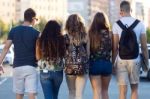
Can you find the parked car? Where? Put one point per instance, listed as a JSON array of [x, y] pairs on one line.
[[9, 56], [142, 73]]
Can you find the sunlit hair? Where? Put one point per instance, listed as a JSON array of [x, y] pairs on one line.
[[100, 22], [52, 42], [75, 26]]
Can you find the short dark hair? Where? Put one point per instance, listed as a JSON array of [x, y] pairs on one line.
[[29, 14], [125, 6]]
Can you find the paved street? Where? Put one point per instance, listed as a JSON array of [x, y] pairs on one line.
[[6, 88]]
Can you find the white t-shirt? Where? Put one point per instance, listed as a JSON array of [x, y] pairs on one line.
[[128, 21]]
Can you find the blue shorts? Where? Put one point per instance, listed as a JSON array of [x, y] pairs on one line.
[[100, 67]]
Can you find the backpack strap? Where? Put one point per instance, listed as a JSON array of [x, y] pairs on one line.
[[134, 24], [123, 27], [131, 27]]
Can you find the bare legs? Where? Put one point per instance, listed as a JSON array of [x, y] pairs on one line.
[[76, 85], [31, 96], [100, 86], [71, 86], [134, 91], [105, 84], [123, 91], [19, 96], [80, 86]]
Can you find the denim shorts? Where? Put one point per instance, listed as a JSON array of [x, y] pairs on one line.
[[100, 67]]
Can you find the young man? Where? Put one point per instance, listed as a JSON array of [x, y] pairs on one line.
[[127, 70], [24, 67]]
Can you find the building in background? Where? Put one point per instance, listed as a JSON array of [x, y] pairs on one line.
[[47, 9], [146, 13], [114, 10], [137, 9], [13, 10], [88, 8], [140, 10], [80, 7], [98, 5], [7, 11], [148, 18]]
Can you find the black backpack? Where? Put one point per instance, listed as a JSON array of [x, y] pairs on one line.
[[128, 45]]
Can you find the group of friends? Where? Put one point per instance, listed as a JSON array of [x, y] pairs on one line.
[[53, 52]]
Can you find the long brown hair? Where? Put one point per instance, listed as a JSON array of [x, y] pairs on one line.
[[99, 23], [75, 27], [51, 41]]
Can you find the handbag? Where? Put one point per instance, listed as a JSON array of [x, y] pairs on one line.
[[144, 66]]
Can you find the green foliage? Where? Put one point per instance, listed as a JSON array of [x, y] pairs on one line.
[[148, 35], [42, 22], [40, 26], [14, 24], [4, 29]]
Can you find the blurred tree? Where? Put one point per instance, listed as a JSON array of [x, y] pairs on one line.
[[60, 21], [40, 26], [148, 35], [4, 29], [14, 24], [42, 22]]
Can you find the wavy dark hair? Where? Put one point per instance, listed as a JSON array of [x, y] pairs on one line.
[[75, 27], [52, 42], [99, 23]]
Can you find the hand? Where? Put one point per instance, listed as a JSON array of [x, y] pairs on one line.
[[147, 65], [1, 69], [114, 70]]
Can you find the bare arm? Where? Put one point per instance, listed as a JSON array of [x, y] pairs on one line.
[[38, 51], [5, 50], [144, 49], [88, 44], [110, 35], [115, 43]]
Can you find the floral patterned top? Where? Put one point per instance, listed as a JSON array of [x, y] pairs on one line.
[[104, 49], [76, 53], [56, 65]]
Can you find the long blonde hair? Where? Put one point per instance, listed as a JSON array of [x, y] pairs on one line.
[[75, 27]]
